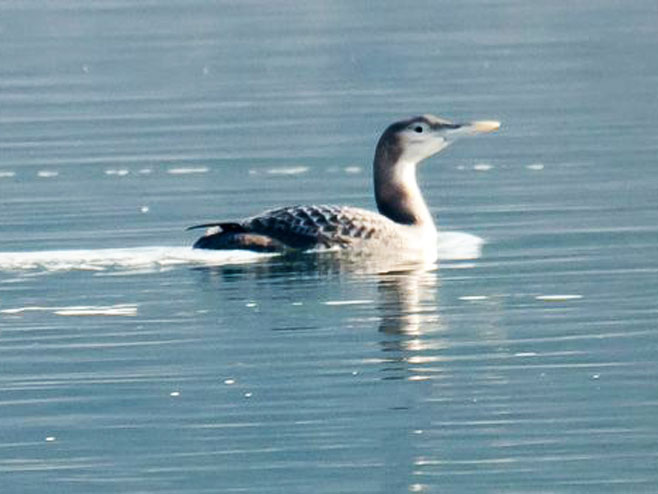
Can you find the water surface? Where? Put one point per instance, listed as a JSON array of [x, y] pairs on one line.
[[131, 363]]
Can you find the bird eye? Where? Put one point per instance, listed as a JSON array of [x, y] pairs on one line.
[[418, 129]]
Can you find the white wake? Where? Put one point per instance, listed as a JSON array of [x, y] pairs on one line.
[[137, 259], [453, 246]]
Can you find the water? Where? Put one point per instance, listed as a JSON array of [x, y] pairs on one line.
[[131, 363]]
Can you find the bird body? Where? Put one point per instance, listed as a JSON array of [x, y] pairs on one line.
[[403, 226], [307, 227]]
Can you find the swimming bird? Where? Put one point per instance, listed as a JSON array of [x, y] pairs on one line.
[[403, 226]]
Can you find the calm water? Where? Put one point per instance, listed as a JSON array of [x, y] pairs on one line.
[[130, 363]]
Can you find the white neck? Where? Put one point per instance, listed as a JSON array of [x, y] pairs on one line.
[[397, 193]]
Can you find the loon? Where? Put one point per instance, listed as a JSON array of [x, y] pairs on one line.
[[403, 226]]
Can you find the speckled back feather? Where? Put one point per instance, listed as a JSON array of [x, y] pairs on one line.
[[306, 227]]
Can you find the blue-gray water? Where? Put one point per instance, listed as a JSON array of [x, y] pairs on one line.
[[130, 364]]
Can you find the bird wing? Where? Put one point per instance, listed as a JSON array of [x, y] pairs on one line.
[[304, 227]]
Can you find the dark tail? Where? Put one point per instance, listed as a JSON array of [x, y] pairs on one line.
[[216, 239], [235, 236], [213, 241]]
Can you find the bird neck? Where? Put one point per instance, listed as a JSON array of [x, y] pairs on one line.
[[396, 190]]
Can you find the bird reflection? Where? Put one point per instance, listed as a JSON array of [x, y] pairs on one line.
[[409, 321], [405, 301], [410, 327], [410, 333]]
